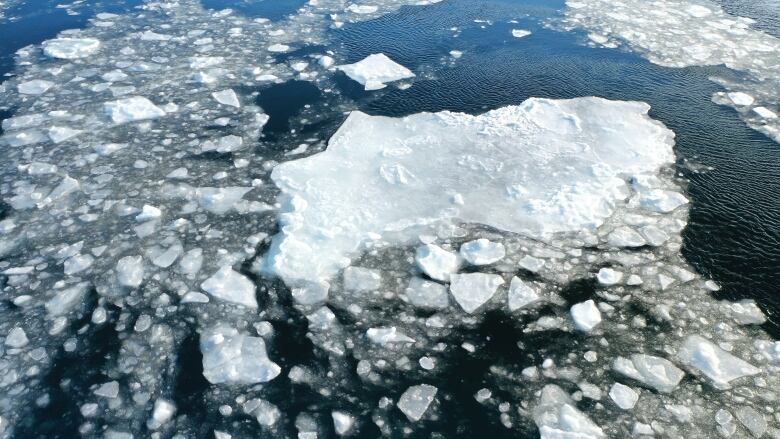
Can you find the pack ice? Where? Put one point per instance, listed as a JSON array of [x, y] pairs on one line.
[[384, 178]]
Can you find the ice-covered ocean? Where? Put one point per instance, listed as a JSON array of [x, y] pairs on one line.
[[390, 218]]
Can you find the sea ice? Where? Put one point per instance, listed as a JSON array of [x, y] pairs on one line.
[[482, 252], [375, 71], [521, 294], [414, 402], [231, 286], [16, 338], [70, 48], [361, 279], [426, 294], [472, 290], [520, 33], [655, 372], [436, 262], [586, 315], [608, 276], [590, 144], [558, 418], [226, 97], [132, 109], [625, 397], [35, 87], [718, 365], [388, 335], [231, 357], [130, 271]]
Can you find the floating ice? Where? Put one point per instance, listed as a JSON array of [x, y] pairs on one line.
[[130, 271], [472, 290], [655, 372], [625, 397], [384, 336], [521, 294], [64, 300], [70, 48], [745, 312], [132, 109], [551, 136], [414, 402], [520, 33], [226, 97], [231, 286], [482, 252], [436, 262], [361, 279], [608, 276], [427, 294], [234, 358], [718, 365], [35, 87], [163, 412], [16, 338], [586, 315], [375, 71], [342, 422], [558, 418]]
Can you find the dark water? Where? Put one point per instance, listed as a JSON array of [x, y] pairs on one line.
[[734, 230]]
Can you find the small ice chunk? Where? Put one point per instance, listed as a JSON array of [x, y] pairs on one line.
[[77, 263], [226, 97], [231, 286], [766, 113], [278, 48], [34, 87], [482, 252], [720, 366], [264, 412], [130, 271], [163, 412], [625, 397], [531, 263], [387, 335], [436, 262], [70, 48], [230, 357], [132, 109], [744, 312], [520, 33], [426, 294], [586, 315], [16, 338], [59, 134], [753, 420], [608, 276], [108, 390], [414, 402], [472, 290], [375, 71], [521, 294], [326, 61], [361, 279], [342, 422], [655, 372], [625, 237], [64, 300], [148, 212], [558, 418], [740, 98]]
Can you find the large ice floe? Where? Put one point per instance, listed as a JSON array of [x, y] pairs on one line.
[[145, 229], [683, 33]]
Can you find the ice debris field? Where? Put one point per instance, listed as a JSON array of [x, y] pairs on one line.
[[139, 206]]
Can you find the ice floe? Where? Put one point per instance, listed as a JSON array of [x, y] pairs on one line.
[[375, 71]]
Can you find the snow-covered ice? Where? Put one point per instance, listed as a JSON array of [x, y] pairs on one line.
[[70, 48], [375, 71], [472, 290], [719, 366], [231, 286], [655, 372], [625, 397], [132, 109], [586, 315], [414, 402], [482, 252], [436, 262], [232, 357]]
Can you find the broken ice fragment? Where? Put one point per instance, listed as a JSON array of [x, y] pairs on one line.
[[226, 97], [34, 87], [163, 412], [361, 279], [520, 33], [64, 300], [148, 213], [608, 276], [744, 312], [231, 286], [586, 315], [482, 252], [426, 294], [472, 290], [70, 48], [342, 422], [384, 336], [436, 262], [655, 372], [718, 365], [130, 271], [108, 390], [558, 418], [16, 338], [415, 401], [625, 397], [132, 109], [375, 71], [521, 294], [234, 358]]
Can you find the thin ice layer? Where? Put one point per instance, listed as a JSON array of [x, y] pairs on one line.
[[542, 167]]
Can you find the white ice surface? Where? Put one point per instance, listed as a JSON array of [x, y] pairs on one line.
[[231, 286], [70, 48], [472, 290], [436, 262], [482, 252], [655, 372], [132, 109], [414, 402], [390, 177], [231, 357], [586, 315], [718, 365], [375, 71]]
